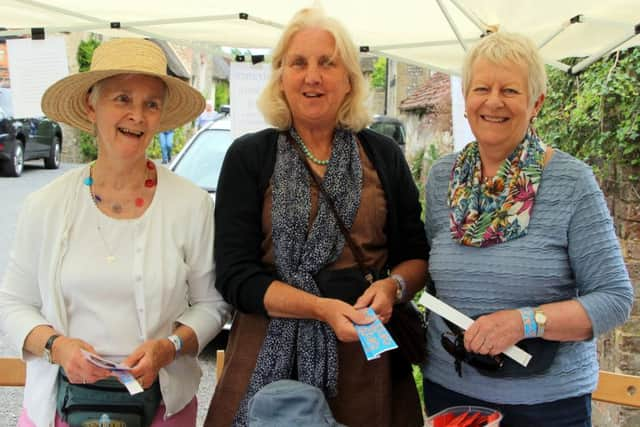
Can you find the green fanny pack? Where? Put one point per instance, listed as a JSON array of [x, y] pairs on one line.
[[105, 403]]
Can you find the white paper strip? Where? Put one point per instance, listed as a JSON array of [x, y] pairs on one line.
[[463, 321]]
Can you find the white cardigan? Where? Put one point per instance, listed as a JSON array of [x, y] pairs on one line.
[[177, 239]]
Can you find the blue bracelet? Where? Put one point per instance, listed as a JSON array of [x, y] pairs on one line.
[[529, 322]]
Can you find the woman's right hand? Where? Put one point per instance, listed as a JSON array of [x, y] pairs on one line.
[[341, 317], [66, 353]]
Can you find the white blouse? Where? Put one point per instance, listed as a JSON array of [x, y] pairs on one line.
[[171, 269]]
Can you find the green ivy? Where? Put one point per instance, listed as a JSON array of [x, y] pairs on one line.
[[379, 75], [595, 115], [85, 52]]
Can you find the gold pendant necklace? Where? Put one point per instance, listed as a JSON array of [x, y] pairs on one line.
[[111, 258]]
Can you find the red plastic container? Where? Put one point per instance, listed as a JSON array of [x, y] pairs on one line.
[[465, 416]]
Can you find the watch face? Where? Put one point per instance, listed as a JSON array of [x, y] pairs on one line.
[[540, 318]]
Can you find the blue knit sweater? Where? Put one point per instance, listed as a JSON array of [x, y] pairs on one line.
[[571, 252]]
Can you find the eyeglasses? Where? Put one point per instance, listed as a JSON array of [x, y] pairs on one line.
[[453, 343]]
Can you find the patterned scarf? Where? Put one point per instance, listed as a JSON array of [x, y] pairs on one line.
[[300, 253], [484, 214]]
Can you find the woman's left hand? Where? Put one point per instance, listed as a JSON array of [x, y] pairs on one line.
[[494, 333], [148, 358], [380, 296]]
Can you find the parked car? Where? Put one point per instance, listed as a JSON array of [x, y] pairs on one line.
[[391, 127], [28, 139], [200, 161]]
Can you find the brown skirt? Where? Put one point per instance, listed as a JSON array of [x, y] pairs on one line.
[[380, 392]]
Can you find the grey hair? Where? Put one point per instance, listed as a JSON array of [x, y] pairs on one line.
[[94, 91], [502, 47], [353, 113]]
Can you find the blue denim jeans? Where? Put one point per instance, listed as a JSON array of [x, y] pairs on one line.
[[166, 144], [570, 412]]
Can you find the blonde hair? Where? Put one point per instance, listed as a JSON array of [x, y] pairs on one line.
[[353, 113], [504, 47]]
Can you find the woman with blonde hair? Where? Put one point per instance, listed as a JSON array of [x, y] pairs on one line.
[[283, 260]]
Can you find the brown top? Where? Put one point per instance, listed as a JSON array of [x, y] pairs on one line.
[[380, 392], [368, 226]]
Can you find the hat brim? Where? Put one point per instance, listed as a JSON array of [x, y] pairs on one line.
[[65, 100]]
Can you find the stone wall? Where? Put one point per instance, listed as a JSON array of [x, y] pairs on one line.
[[619, 350]]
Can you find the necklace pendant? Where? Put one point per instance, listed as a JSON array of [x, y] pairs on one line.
[[110, 259]]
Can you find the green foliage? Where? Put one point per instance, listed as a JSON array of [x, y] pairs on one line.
[[88, 146], [417, 377], [180, 137], [379, 75], [85, 52], [222, 94], [595, 115]]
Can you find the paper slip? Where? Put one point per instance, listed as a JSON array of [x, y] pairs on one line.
[[117, 369], [374, 337], [454, 316], [101, 362], [129, 382]]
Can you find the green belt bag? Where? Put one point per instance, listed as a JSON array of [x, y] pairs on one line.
[[91, 405]]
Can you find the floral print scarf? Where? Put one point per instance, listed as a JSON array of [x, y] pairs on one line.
[[498, 210]]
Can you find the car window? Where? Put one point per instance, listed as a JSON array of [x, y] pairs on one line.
[[202, 162], [391, 130]]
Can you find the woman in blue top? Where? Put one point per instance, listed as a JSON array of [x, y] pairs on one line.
[[523, 242]]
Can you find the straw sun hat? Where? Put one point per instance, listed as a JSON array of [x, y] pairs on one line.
[[65, 100]]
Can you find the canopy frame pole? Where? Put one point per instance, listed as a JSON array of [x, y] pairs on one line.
[[452, 24], [421, 44], [577, 19], [482, 26], [580, 66]]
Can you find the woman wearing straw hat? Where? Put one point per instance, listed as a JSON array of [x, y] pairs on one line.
[[86, 276]]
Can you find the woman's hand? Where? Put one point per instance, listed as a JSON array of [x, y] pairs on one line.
[[494, 333], [341, 317], [380, 296], [148, 358], [66, 352]]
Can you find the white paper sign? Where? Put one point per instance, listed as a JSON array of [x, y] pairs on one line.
[[246, 84], [463, 321], [33, 66]]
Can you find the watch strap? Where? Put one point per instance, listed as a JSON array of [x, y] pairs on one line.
[[540, 326], [48, 346], [401, 291]]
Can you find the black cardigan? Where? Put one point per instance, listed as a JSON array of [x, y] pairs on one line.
[[241, 277]]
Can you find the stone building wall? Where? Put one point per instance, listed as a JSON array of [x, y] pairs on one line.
[[619, 350]]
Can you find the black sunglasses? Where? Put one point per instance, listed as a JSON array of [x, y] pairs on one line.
[[453, 343]]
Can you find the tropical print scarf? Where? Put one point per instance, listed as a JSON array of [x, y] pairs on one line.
[[498, 210]]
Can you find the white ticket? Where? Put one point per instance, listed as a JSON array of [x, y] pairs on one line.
[[117, 369], [463, 321]]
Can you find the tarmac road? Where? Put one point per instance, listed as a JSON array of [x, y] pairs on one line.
[[12, 193]]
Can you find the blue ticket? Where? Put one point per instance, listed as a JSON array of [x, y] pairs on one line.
[[374, 337]]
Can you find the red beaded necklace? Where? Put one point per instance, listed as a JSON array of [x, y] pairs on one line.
[[116, 207]]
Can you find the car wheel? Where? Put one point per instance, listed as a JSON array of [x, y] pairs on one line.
[[15, 164], [53, 161]]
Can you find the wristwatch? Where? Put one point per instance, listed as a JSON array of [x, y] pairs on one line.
[[401, 288], [46, 353], [541, 320]]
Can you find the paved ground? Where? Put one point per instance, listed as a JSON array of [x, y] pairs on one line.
[[12, 193]]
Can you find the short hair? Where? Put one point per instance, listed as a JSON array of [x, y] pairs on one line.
[[501, 47], [353, 113]]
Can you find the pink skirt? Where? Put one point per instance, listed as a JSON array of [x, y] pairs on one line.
[[185, 418]]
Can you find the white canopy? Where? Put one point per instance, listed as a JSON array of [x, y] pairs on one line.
[[430, 33]]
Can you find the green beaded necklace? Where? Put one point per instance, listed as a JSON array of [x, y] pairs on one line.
[[308, 152]]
